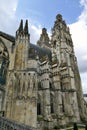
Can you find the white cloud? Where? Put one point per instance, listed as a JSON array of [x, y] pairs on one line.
[[84, 83], [9, 21], [83, 16], [79, 36], [7, 15], [85, 57], [35, 33]]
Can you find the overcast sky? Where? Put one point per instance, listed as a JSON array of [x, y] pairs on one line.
[[42, 13]]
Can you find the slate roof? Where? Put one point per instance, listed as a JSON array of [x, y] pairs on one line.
[[7, 36], [41, 51]]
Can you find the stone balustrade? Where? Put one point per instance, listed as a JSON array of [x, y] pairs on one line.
[[6, 124]]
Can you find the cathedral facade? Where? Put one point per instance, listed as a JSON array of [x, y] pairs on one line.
[[40, 84]]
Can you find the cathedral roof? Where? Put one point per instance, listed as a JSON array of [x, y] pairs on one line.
[[7, 36], [40, 51]]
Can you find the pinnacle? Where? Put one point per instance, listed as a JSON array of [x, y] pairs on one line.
[[22, 30], [26, 27], [21, 27], [59, 17]]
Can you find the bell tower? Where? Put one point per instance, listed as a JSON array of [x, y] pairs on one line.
[[61, 41], [64, 59], [22, 46]]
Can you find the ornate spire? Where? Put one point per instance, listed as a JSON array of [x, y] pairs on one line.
[[59, 23], [21, 27], [26, 27], [44, 38], [23, 30], [59, 17]]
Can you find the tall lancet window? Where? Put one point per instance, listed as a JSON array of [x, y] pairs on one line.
[[52, 103], [4, 60], [39, 105]]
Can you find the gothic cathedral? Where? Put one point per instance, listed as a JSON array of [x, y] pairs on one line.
[[40, 84]]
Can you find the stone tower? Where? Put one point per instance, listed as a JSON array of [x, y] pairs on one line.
[[63, 52], [41, 83], [22, 46], [21, 84], [64, 60]]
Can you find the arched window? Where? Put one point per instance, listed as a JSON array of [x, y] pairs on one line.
[[4, 60], [39, 105], [52, 103]]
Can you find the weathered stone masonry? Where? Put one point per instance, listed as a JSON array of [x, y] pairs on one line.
[[40, 84]]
